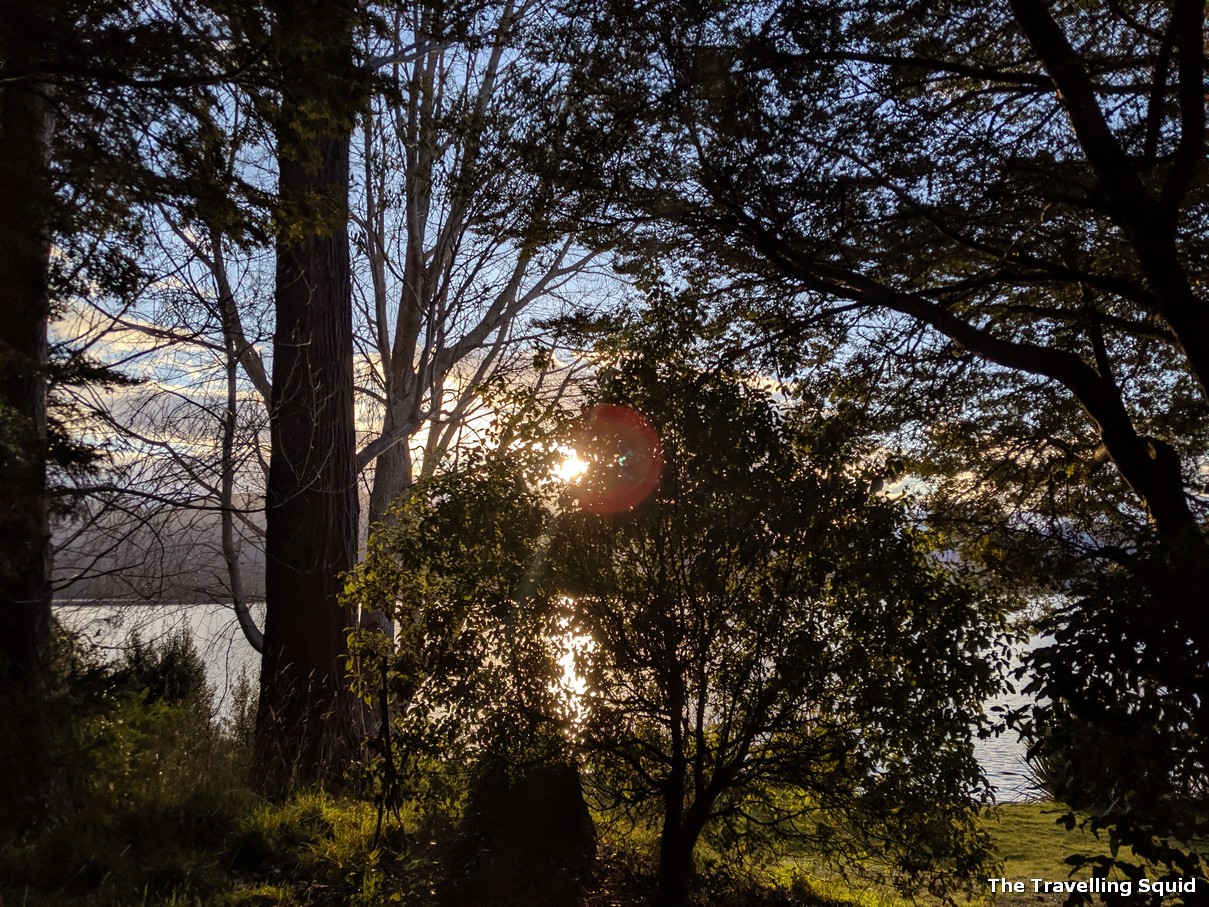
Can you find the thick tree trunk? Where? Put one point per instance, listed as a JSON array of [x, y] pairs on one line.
[[305, 713], [681, 825], [26, 120], [675, 868], [25, 126], [677, 841]]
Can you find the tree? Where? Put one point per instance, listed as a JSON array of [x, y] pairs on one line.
[[453, 231], [444, 270], [176, 513], [190, 431], [30, 42], [982, 209], [1023, 217], [763, 642], [312, 508], [82, 84], [771, 643], [304, 711], [25, 191]]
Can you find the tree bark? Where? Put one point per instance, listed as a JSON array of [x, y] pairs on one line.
[[677, 841], [393, 468], [681, 826], [26, 120], [305, 714]]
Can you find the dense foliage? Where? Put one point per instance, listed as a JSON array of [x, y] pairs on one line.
[[763, 642], [1012, 230]]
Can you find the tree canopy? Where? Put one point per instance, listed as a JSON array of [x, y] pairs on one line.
[[1012, 233], [347, 237], [762, 641], [891, 162]]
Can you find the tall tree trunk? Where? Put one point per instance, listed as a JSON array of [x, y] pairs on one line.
[[305, 712], [26, 120], [392, 477], [675, 867], [392, 469], [25, 202], [676, 840]]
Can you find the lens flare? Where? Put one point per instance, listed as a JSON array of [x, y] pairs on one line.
[[623, 455]]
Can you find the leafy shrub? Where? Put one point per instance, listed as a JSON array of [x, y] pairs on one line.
[[144, 783]]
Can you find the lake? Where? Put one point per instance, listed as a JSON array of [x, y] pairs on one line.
[[107, 625]]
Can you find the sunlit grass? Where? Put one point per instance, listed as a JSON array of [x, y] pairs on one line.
[[1026, 836], [838, 891], [1033, 845]]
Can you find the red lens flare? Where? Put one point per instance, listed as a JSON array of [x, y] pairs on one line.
[[624, 459]]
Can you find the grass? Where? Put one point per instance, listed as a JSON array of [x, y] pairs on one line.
[[157, 811], [1033, 846], [234, 849], [318, 849], [312, 849], [1027, 837]]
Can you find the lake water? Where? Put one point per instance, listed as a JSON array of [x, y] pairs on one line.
[[216, 634], [1002, 757]]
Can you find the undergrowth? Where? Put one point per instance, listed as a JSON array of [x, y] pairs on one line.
[[143, 798]]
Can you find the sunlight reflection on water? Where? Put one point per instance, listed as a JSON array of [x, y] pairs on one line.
[[107, 626], [1002, 757]]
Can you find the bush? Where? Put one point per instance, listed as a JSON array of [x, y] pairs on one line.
[[144, 786]]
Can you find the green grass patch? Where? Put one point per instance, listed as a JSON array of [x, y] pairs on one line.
[[1029, 838], [152, 806], [1033, 845]]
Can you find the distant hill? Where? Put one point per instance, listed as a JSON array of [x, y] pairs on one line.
[[159, 553]]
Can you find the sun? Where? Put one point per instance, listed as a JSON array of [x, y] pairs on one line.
[[571, 467]]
